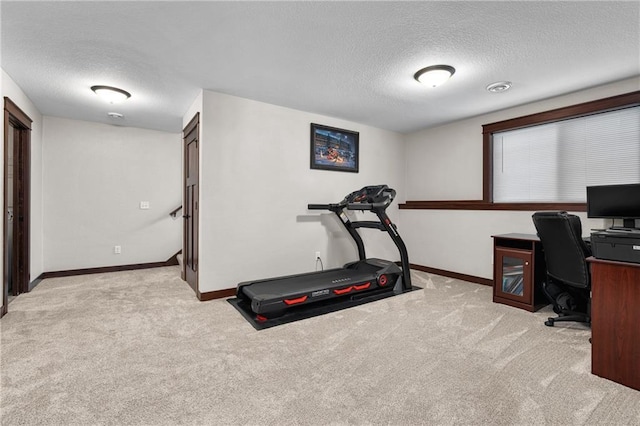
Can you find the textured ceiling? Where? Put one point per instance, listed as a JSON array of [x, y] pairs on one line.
[[352, 60]]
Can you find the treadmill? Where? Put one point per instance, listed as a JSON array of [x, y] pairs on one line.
[[274, 301]]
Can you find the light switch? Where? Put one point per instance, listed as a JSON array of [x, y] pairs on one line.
[[144, 205]]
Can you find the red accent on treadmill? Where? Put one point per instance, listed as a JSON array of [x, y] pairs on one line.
[[387, 221], [295, 301], [362, 286], [382, 280], [343, 290], [261, 318]]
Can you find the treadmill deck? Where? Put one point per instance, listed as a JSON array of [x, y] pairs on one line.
[[307, 283], [310, 311]]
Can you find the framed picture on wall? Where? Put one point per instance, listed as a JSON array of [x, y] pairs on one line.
[[334, 149]]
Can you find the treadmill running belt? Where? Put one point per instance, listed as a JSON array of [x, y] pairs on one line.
[[285, 287]]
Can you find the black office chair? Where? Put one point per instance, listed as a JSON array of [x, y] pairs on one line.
[[568, 282]]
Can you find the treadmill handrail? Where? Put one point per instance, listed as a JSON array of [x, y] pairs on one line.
[[367, 206], [372, 224], [319, 206], [334, 207], [359, 206]]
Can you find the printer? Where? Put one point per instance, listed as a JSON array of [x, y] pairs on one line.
[[616, 244]]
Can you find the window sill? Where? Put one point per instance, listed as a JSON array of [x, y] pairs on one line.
[[483, 205]]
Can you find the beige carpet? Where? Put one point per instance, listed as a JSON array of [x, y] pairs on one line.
[[138, 348]]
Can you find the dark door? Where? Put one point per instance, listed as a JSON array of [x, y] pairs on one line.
[[17, 172], [190, 202]]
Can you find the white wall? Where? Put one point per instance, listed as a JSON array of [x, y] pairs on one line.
[[445, 163], [256, 183], [95, 176], [196, 107], [11, 90]]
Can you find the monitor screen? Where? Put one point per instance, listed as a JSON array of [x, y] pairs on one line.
[[614, 201]]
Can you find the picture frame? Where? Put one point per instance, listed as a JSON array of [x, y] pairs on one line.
[[334, 149]]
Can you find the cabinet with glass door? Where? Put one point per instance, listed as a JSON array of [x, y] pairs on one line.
[[519, 269]]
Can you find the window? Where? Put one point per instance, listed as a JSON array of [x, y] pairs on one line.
[[544, 161], [551, 157], [554, 162]]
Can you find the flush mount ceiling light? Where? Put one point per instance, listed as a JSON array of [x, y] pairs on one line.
[[111, 94], [434, 75], [499, 87], [115, 115]]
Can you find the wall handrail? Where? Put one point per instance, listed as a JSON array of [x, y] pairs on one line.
[[175, 212]]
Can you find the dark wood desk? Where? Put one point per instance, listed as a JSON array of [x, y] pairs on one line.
[[615, 321]]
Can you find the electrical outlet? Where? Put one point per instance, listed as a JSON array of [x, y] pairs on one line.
[[317, 255], [144, 205], [117, 249]]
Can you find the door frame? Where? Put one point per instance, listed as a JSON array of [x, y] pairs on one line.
[[194, 125], [16, 118]]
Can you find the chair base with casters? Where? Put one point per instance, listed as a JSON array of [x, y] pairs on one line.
[[569, 305]]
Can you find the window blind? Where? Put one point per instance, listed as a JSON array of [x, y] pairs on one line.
[[555, 162]]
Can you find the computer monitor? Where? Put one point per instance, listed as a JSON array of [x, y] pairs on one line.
[[614, 202]]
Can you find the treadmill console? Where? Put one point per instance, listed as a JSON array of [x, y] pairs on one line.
[[371, 195], [376, 197]]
